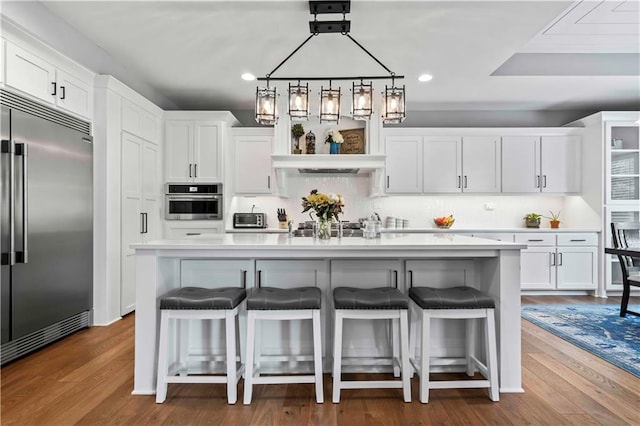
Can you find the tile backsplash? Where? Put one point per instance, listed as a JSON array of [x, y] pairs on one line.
[[470, 211]]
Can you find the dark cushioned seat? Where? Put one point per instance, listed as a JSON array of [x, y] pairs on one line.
[[202, 298], [369, 298], [451, 298], [274, 299]]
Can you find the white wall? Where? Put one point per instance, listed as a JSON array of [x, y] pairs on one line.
[[469, 210]]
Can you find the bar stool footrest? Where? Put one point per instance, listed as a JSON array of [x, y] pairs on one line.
[[371, 384], [456, 384], [270, 380]]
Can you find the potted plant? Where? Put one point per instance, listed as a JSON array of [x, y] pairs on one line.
[[297, 131], [532, 220], [554, 219]]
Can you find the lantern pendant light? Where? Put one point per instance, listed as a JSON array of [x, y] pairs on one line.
[[393, 104], [266, 111], [361, 95], [329, 105], [299, 102]]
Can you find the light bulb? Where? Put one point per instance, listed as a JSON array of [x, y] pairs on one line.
[[298, 101], [393, 104], [330, 106], [361, 101]]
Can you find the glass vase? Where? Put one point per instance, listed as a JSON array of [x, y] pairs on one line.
[[334, 148], [324, 229]]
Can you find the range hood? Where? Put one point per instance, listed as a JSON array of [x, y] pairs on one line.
[[333, 171], [328, 164]]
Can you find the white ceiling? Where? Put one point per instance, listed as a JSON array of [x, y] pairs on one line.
[[194, 52]]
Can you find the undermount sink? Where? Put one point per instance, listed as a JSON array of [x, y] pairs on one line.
[[334, 233]]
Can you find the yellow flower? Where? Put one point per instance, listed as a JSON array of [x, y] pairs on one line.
[[325, 206]]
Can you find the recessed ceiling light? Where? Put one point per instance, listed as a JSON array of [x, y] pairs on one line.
[[248, 76], [425, 77]]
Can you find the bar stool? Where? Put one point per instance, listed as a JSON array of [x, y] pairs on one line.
[[279, 304], [456, 303], [374, 303], [191, 303]]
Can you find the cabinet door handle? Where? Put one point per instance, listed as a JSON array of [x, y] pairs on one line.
[[459, 181], [55, 86], [465, 181], [535, 241], [195, 170], [146, 223], [395, 278], [190, 170], [544, 181], [194, 233], [578, 241], [410, 278], [387, 182], [64, 92], [142, 223], [553, 259], [537, 181], [258, 278], [559, 259], [268, 182], [243, 278]]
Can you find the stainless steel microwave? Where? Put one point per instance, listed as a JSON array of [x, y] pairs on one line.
[[249, 220], [193, 201]]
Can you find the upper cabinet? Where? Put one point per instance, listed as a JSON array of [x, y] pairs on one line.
[[252, 172], [541, 164], [442, 164], [622, 140], [193, 151], [34, 75]]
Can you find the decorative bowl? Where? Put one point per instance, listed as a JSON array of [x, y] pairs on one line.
[[443, 226]]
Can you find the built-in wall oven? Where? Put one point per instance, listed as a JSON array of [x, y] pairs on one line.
[[193, 201]]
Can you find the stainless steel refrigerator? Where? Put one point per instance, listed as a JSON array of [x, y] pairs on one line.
[[46, 225]]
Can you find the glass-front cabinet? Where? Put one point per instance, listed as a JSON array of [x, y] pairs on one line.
[[623, 165]]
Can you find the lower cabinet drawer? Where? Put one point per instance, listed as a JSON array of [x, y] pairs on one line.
[[577, 239], [536, 239], [182, 233]]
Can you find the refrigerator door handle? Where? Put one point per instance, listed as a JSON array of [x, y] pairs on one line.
[[8, 147], [21, 150]]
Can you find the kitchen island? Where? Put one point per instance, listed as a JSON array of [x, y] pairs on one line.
[[401, 260]]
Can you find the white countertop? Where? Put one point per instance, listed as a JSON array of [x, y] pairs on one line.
[[254, 241], [431, 230]]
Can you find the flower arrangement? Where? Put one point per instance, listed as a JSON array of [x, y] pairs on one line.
[[333, 135], [325, 206]]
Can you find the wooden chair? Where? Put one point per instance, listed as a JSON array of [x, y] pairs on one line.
[[625, 235]]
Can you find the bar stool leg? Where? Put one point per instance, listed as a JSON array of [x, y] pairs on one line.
[[230, 333], [257, 352], [413, 325], [182, 326], [404, 354], [337, 356], [317, 356], [492, 356], [470, 325], [163, 367], [395, 333], [424, 358], [248, 368]]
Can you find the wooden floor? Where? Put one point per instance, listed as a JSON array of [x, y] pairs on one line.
[[87, 379]]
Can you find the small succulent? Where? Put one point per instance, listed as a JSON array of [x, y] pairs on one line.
[[532, 216], [554, 216]]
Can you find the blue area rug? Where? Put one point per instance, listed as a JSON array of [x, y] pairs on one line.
[[598, 329]]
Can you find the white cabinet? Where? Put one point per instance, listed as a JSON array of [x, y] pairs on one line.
[[36, 76], [442, 164], [404, 164], [192, 229], [481, 164], [140, 205], [193, 151], [252, 171], [622, 141], [559, 261], [541, 164]]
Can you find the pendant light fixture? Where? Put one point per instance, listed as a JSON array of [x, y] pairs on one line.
[[299, 102], [393, 104], [362, 94], [361, 101], [266, 105], [329, 105]]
